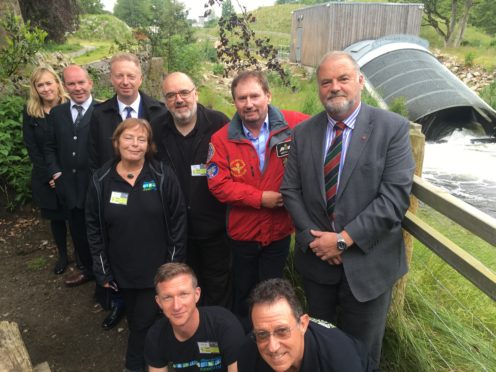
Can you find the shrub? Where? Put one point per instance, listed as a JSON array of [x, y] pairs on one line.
[[218, 69], [15, 167], [488, 94], [102, 27], [398, 105], [469, 59]]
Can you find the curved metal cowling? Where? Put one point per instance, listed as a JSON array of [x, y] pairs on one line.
[[401, 66]]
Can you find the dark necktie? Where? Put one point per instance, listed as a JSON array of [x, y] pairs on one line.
[[331, 166], [128, 109], [79, 116]]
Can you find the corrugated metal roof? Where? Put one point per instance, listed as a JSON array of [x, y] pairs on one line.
[[401, 66]]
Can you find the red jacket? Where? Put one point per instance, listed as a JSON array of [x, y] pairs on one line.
[[234, 177]]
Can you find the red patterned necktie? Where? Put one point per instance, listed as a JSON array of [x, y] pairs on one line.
[[331, 166]]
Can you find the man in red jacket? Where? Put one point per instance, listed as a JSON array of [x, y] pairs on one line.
[[245, 169]]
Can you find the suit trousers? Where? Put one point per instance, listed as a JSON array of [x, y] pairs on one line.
[[336, 304], [77, 226], [253, 263], [141, 311], [210, 259]]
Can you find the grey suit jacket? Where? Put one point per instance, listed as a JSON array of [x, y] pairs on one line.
[[66, 151], [372, 198]]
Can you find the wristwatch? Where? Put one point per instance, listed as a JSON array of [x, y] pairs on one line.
[[342, 246]]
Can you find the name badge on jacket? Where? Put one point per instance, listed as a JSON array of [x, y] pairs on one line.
[[119, 198]]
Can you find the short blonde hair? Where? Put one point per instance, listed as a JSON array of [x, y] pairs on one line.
[[125, 57], [131, 123], [34, 106]]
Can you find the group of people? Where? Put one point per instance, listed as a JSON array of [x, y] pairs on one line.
[[148, 186]]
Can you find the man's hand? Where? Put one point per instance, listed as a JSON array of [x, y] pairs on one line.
[[271, 199], [325, 247], [54, 177]]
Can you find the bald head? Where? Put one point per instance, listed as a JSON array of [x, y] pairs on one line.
[[181, 99], [77, 83]]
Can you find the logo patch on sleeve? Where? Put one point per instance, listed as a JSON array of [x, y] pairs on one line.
[[212, 170], [211, 151]]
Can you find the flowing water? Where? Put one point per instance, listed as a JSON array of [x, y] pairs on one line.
[[467, 170]]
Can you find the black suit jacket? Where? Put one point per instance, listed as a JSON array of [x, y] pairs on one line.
[[66, 151], [106, 118]]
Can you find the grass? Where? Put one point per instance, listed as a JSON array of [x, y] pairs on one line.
[[102, 50], [37, 263]]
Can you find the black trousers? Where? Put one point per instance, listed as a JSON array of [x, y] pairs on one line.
[[336, 304], [210, 259], [253, 263], [77, 227], [141, 312]]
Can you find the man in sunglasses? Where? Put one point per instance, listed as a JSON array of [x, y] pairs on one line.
[[286, 339]]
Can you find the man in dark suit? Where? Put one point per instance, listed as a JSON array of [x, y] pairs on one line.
[[67, 158], [347, 185], [182, 136], [128, 101]]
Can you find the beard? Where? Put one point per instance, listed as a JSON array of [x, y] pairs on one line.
[[338, 108], [183, 117]]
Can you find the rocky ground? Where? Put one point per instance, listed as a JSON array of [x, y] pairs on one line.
[[59, 325]]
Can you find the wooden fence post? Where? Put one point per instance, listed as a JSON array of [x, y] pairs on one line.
[[417, 140]]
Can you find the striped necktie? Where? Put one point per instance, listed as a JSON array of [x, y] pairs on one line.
[[331, 166], [79, 116], [128, 109]]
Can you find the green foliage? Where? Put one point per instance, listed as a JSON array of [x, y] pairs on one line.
[[398, 105], [22, 42], [134, 13], [102, 27], [488, 94], [91, 6], [227, 8], [15, 167], [51, 46], [218, 69], [58, 18], [484, 16], [184, 57], [469, 59], [37, 263]]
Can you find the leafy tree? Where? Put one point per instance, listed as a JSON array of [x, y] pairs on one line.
[[169, 25], [91, 6], [484, 16], [448, 18], [136, 13], [56, 17], [240, 48], [21, 43], [227, 8]]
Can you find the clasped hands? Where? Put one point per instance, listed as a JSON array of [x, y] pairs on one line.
[[325, 247]]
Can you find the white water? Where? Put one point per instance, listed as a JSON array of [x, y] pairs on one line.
[[467, 170]]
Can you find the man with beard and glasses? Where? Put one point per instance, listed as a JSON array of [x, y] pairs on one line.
[[182, 136], [347, 187]]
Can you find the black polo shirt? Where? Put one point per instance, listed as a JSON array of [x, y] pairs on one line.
[[135, 222]]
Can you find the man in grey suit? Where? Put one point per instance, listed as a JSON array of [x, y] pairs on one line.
[[347, 185], [66, 153]]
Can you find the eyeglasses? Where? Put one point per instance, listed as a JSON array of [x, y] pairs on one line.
[[182, 93], [281, 333]]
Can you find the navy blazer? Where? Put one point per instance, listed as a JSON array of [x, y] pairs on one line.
[[372, 199]]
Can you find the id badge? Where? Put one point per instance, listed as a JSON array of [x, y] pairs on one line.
[[198, 170], [208, 347], [282, 149], [119, 198]]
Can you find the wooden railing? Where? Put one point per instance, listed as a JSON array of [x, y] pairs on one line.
[[470, 218]]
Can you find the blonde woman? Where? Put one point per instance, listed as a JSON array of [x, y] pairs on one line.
[[45, 91]]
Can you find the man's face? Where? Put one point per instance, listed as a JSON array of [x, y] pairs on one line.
[[340, 87], [177, 298], [283, 348], [252, 103], [126, 79], [181, 98], [77, 84]]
